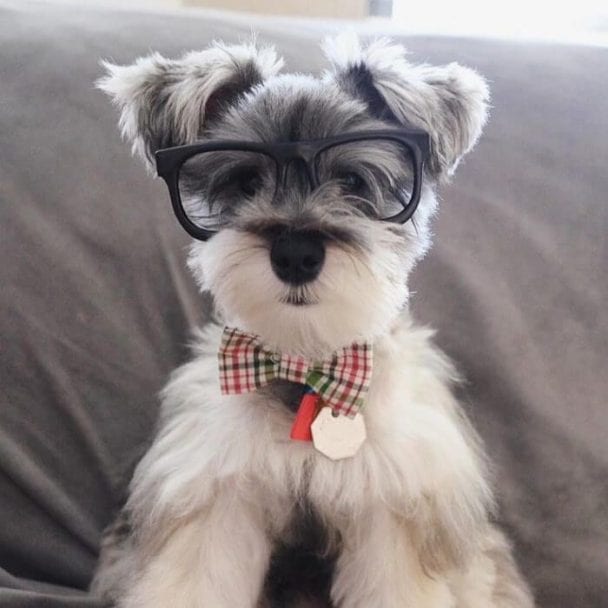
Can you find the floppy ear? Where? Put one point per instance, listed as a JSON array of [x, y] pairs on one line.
[[166, 102], [449, 102]]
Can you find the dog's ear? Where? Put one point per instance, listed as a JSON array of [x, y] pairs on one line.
[[166, 102], [449, 102]]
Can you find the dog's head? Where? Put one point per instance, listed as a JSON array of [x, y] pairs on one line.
[[300, 252]]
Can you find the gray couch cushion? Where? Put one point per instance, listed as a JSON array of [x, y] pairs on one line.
[[96, 306]]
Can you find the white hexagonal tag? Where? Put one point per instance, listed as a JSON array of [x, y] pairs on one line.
[[337, 437]]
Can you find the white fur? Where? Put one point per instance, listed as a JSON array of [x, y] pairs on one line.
[[355, 298], [222, 476]]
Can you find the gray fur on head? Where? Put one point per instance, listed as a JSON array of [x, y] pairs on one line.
[[166, 102], [449, 102]]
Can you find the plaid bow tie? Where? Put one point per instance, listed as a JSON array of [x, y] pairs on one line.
[[341, 381]]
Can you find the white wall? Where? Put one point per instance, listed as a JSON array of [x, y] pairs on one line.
[[575, 20]]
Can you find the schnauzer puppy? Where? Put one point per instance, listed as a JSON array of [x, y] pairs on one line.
[[313, 441]]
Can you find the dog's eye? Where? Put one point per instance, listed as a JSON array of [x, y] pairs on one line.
[[352, 183], [248, 181]]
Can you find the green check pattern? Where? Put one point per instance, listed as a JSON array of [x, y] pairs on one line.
[[342, 381]]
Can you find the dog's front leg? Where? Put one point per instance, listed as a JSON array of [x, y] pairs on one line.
[[378, 567], [216, 558]]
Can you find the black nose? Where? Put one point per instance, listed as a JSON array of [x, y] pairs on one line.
[[297, 256]]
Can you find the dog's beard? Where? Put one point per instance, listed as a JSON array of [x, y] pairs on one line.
[[357, 295]]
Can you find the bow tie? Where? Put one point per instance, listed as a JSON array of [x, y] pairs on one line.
[[342, 380]]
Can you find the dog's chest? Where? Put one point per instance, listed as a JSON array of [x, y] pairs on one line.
[[302, 561]]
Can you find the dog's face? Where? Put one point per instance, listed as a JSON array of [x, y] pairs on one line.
[[308, 265]]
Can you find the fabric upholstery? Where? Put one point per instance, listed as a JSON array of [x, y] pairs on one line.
[[96, 306]]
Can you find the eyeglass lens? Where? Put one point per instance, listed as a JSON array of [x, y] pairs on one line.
[[376, 176]]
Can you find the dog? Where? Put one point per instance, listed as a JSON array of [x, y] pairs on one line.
[[310, 200]]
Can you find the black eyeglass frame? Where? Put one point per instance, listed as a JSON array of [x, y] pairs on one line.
[[169, 162]]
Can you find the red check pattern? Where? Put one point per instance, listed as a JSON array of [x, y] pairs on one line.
[[342, 381]]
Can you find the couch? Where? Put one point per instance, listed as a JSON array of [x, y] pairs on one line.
[[96, 306]]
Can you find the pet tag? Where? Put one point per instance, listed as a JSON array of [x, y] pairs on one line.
[[337, 437]]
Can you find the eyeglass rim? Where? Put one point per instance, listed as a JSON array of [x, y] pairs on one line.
[[170, 160]]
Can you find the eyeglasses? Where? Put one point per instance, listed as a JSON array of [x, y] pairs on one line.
[[378, 172]]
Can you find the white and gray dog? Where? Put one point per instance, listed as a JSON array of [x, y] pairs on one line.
[[300, 194]]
